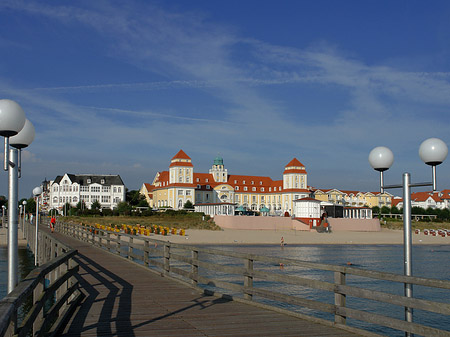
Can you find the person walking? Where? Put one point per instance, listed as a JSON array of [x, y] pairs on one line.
[[52, 224]]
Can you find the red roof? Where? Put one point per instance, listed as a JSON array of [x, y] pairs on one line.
[[294, 162], [181, 155]]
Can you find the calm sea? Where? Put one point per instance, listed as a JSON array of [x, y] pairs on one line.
[[26, 264], [428, 261]]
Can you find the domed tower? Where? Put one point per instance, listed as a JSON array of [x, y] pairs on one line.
[[218, 171]]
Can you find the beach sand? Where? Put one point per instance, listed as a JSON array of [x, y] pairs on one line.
[[235, 236]]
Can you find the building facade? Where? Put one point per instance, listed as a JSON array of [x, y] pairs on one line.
[[354, 198], [108, 190], [180, 183]]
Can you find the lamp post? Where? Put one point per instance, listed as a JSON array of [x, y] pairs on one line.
[[19, 133], [433, 152], [24, 203], [36, 192]]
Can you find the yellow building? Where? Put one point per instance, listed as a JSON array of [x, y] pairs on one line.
[[354, 198], [173, 188]]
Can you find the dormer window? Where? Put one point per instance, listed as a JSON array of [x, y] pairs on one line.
[[102, 181], [208, 187], [237, 188], [253, 183], [253, 188], [207, 180], [243, 182], [89, 181], [260, 182], [262, 189]]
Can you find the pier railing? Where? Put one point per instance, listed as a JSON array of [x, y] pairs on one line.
[[42, 302], [327, 294]]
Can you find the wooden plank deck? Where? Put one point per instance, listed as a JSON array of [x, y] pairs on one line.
[[124, 299]]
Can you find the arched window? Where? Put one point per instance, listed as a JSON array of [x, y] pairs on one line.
[[180, 203]]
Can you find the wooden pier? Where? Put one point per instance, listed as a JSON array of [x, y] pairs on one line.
[[125, 299]]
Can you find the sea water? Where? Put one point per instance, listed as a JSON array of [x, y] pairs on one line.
[[26, 264], [428, 261]]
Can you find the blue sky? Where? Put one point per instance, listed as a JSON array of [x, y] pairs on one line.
[[119, 87]]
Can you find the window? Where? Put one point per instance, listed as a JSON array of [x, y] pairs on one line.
[[89, 181], [198, 186], [198, 179], [253, 188], [55, 188], [180, 179], [254, 198], [262, 189], [243, 182], [106, 189], [208, 187], [55, 200], [274, 189], [235, 181], [180, 192], [188, 192], [119, 189], [106, 199], [207, 180], [95, 188], [253, 183], [260, 182], [237, 188], [102, 181], [245, 188]]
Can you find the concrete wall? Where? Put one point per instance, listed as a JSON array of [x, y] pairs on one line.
[[285, 223], [259, 222], [354, 225]]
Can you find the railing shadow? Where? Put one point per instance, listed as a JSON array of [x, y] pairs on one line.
[[118, 295]]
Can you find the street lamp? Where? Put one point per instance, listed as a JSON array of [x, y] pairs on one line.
[[36, 192], [433, 152], [12, 128]]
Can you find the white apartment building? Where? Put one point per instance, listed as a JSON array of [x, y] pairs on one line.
[[108, 190]]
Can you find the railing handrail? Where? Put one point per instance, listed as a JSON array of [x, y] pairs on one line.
[[63, 287], [104, 239]]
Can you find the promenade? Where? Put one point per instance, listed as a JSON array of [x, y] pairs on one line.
[[125, 299]]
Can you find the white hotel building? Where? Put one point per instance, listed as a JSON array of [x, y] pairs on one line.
[[108, 190]]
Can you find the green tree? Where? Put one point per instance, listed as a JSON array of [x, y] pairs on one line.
[[123, 208], [31, 206], [134, 198], [376, 210], [81, 205], [395, 210], [385, 210], [143, 203], [188, 205], [3, 201], [96, 205]]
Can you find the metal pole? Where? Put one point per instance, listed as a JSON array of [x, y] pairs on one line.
[[381, 182], [13, 264], [433, 173], [36, 262], [407, 243]]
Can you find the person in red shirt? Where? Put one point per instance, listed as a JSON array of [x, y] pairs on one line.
[[52, 223]]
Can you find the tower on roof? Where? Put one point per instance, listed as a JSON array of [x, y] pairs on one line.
[[181, 169], [294, 175], [218, 171]]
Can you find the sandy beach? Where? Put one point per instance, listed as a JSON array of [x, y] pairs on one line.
[[250, 237], [234, 236]]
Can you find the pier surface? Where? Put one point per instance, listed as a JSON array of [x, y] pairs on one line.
[[125, 299]]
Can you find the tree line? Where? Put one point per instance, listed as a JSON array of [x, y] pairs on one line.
[[441, 214]]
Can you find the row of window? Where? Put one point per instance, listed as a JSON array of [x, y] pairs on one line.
[[105, 199], [106, 189]]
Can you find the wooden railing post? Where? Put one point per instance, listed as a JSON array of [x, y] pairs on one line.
[[339, 299], [194, 267], [108, 241], [118, 244], [248, 280], [166, 258], [130, 248], [146, 244]]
